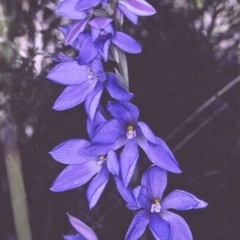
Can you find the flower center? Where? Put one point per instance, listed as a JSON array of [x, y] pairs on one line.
[[101, 160], [131, 133], [156, 207], [90, 75]]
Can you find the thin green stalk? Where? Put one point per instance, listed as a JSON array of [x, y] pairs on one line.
[[14, 172]]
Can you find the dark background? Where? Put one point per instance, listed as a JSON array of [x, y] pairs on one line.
[[190, 52]]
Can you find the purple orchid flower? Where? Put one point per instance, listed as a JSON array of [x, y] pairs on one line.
[[134, 8], [83, 167], [125, 129], [85, 83], [85, 232], [163, 224], [103, 34]]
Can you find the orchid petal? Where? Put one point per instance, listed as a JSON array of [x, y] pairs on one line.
[[62, 57], [131, 16], [112, 163], [116, 90], [143, 198], [147, 132], [103, 42], [100, 22], [125, 112], [75, 30], [88, 50], [126, 43], [97, 186], [127, 194], [83, 5], [179, 229], [138, 7], [67, 9], [159, 227], [101, 149], [95, 123], [181, 200], [109, 132], [73, 95], [93, 99], [75, 176], [60, 73], [82, 228], [159, 155], [71, 152], [128, 160], [138, 225], [155, 179]]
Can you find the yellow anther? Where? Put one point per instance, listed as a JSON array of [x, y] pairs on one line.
[[156, 201], [102, 157], [130, 129]]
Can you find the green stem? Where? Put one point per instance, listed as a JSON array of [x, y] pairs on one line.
[[14, 172]]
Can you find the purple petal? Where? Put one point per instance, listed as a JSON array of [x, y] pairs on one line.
[[126, 43], [82, 228], [143, 198], [138, 225], [115, 89], [69, 73], [127, 194], [83, 5], [75, 30], [128, 160], [125, 112], [179, 229], [181, 200], [100, 22], [103, 42], [73, 237], [73, 95], [97, 68], [159, 155], [112, 163], [67, 9], [95, 123], [147, 132], [109, 132], [62, 57], [155, 179], [131, 16], [102, 149], [138, 7], [97, 186], [88, 50], [92, 100], [160, 228], [71, 152], [75, 176]]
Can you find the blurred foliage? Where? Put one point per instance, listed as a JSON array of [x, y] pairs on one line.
[[190, 51]]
